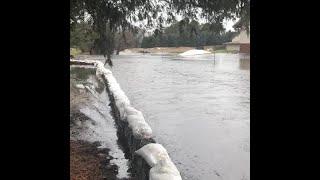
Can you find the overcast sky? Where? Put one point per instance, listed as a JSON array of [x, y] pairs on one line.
[[226, 23]]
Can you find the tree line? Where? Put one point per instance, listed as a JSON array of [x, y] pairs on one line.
[[109, 17], [84, 38], [188, 33], [182, 33]]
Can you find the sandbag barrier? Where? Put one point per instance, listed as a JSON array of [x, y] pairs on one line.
[[148, 160], [138, 166]]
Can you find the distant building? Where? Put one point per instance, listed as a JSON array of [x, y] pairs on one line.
[[240, 43]]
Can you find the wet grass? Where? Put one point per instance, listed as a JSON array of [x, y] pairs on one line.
[[75, 51]]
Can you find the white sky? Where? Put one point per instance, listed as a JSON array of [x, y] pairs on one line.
[[226, 23]]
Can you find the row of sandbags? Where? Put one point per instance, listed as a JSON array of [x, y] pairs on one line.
[[135, 119], [162, 168]]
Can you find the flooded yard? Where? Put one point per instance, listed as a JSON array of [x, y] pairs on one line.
[[198, 108]]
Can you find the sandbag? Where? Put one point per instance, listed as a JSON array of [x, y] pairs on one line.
[[139, 127], [121, 104], [142, 131], [164, 170], [129, 110], [153, 153]]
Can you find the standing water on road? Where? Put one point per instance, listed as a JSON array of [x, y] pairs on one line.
[[198, 108]]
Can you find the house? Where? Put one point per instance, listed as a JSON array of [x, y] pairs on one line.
[[240, 43]]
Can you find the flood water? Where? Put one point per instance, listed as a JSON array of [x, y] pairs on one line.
[[198, 108]]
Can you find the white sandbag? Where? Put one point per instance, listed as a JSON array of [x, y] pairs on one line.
[[120, 97], [158, 176], [120, 106], [142, 131], [137, 123], [129, 110], [115, 89], [134, 119], [139, 126], [164, 170], [101, 70], [153, 153], [121, 100]]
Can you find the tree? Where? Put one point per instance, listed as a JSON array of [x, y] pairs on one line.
[[109, 16], [188, 33], [82, 36], [126, 39], [149, 42]]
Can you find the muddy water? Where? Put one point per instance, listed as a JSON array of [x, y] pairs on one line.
[[90, 100], [198, 108]]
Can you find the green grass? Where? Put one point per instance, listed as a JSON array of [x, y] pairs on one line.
[[74, 51]]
